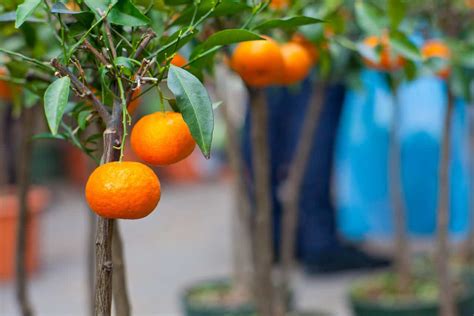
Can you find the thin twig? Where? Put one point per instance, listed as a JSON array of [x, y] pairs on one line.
[[144, 43], [84, 91], [110, 39], [97, 54]]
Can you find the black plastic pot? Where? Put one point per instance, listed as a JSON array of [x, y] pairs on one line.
[[366, 307]]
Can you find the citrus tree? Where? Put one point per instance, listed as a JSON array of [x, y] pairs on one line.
[[107, 55]]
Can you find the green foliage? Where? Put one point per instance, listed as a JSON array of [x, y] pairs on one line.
[[195, 105], [55, 101]]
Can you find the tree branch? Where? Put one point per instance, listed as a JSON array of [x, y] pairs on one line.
[[149, 35], [84, 91], [97, 54]]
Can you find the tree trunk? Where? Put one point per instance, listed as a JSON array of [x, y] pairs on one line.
[[468, 246], [119, 281], [263, 254], [402, 252], [291, 194], [242, 225], [447, 297], [92, 222], [105, 227], [23, 180]]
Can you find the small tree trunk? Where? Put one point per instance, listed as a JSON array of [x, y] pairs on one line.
[[92, 222], [23, 180], [447, 297], [105, 227], [402, 253], [291, 195], [242, 223], [119, 281], [263, 254], [468, 246]]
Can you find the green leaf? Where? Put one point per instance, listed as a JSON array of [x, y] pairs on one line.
[[99, 6], [229, 36], [47, 135], [288, 22], [11, 16], [396, 12], [369, 17], [82, 119], [226, 7], [24, 10], [402, 44], [127, 14], [195, 105], [55, 101]]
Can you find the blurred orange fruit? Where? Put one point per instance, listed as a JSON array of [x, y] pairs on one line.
[[125, 190], [178, 60], [259, 63], [135, 102], [162, 138], [389, 60], [297, 63], [308, 46], [279, 4], [438, 49], [469, 3], [73, 6]]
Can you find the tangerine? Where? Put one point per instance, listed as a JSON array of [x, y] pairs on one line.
[[125, 190], [162, 138], [259, 63], [438, 49], [279, 4], [297, 62], [310, 47], [388, 59], [178, 60]]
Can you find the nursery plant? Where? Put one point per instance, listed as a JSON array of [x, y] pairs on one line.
[[109, 54]]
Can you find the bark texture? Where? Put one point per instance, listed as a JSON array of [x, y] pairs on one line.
[[263, 254], [447, 297], [402, 257], [119, 281], [291, 195], [23, 181]]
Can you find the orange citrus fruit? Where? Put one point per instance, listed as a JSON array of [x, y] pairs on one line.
[[178, 60], [73, 6], [437, 49], [297, 62], [126, 190], [469, 3], [162, 138], [259, 63], [279, 4], [310, 47], [388, 59]]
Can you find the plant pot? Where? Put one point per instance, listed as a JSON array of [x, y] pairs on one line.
[[193, 307], [371, 307], [37, 200]]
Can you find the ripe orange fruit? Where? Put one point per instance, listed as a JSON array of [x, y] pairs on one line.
[[259, 63], [297, 62], [388, 59], [178, 60], [5, 89], [469, 3], [308, 46], [72, 5], [162, 138], [279, 4], [437, 49], [126, 190]]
